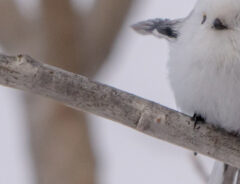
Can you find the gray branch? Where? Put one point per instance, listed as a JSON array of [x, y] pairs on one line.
[[78, 92]]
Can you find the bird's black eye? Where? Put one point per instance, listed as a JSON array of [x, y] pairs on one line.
[[218, 25], [204, 19]]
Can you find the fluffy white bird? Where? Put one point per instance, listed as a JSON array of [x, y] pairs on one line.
[[204, 63]]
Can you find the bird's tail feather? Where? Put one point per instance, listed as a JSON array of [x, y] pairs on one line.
[[161, 28], [217, 173], [224, 174]]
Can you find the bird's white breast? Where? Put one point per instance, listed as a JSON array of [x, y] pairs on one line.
[[204, 72]]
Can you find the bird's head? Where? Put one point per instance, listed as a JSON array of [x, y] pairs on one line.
[[217, 15]]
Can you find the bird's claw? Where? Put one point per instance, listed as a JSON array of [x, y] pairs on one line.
[[197, 118]]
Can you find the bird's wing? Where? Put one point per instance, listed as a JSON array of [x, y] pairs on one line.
[[162, 28]]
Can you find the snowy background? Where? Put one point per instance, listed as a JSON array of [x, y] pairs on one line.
[[137, 65]]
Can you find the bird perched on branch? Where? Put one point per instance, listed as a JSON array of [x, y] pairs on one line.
[[204, 63]]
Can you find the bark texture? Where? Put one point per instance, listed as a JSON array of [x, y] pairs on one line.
[[79, 92]]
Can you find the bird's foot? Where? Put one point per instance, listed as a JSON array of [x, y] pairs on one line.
[[197, 118], [235, 133]]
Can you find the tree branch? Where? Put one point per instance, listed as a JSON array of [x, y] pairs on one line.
[[101, 26], [60, 26], [47, 120], [23, 72], [16, 32]]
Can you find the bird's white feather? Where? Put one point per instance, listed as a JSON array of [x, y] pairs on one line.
[[204, 65]]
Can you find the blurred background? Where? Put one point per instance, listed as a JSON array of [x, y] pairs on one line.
[[43, 142]]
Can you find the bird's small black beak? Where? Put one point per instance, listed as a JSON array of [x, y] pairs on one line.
[[218, 25]]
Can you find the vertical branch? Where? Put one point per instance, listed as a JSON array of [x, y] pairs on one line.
[[12, 25], [17, 34], [84, 42], [59, 135], [102, 25], [60, 24]]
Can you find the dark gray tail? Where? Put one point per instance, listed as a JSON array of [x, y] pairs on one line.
[[162, 28]]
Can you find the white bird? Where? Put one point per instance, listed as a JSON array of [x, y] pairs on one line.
[[204, 61]]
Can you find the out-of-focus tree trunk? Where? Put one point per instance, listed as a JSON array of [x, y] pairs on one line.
[[101, 26], [60, 138], [59, 135]]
